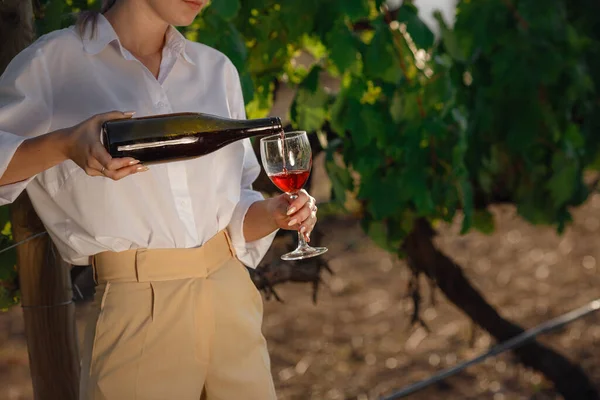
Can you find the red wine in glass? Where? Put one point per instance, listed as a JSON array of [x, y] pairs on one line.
[[290, 181], [287, 160]]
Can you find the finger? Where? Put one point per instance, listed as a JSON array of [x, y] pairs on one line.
[[92, 171], [300, 216], [111, 164], [299, 202], [97, 165], [94, 164], [95, 168], [309, 224], [101, 118], [307, 228], [126, 171]]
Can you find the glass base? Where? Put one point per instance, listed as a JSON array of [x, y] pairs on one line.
[[304, 252]]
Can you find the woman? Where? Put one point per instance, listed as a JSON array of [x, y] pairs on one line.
[[176, 315]]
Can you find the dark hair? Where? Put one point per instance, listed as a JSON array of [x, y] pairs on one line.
[[86, 17]]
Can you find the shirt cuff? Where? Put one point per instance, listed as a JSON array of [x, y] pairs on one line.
[[9, 144], [249, 253]]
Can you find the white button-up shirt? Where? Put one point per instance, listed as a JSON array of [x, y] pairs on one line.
[[62, 79]]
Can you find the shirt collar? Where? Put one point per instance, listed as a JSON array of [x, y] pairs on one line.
[[105, 34]]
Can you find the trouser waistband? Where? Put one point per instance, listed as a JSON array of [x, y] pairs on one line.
[[145, 265]]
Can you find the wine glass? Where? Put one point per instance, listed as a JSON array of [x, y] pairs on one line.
[[287, 160]]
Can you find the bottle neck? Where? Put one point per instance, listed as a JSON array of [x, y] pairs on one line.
[[259, 127], [242, 129]]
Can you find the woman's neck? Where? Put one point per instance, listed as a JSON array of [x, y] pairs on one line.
[[140, 30]]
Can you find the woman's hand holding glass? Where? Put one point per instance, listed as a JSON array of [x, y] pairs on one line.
[[287, 160], [299, 214]]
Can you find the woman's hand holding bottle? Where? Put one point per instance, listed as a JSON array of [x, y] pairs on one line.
[[86, 150], [80, 143]]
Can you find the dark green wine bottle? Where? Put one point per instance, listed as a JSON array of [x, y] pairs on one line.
[[170, 137]]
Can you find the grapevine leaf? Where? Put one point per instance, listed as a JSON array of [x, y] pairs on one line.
[[8, 261], [466, 191], [231, 43], [380, 59], [449, 38], [343, 51], [227, 9], [379, 3], [338, 114], [562, 183], [376, 124], [311, 82], [247, 86], [4, 216], [483, 221], [416, 28], [355, 9], [378, 233], [53, 16], [356, 125], [341, 180], [308, 111]]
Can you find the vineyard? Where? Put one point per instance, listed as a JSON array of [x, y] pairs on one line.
[[455, 169], [357, 342]]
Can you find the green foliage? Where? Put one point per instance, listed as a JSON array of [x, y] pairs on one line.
[[532, 104], [8, 261], [503, 106]]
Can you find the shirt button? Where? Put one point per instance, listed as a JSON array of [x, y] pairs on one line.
[[160, 104]]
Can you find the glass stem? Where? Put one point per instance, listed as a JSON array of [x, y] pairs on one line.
[[301, 242]]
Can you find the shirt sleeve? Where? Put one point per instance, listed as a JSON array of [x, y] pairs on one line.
[[25, 110], [249, 253]]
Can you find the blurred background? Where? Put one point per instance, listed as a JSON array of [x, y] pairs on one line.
[[456, 167]]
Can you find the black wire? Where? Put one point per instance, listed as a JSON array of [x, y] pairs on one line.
[[510, 344], [64, 303], [12, 246]]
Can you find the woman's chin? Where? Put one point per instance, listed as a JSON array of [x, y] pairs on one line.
[[183, 20]]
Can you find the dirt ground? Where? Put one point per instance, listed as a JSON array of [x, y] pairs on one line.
[[357, 342]]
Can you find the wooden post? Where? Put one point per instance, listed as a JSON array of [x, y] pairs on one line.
[[48, 310], [44, 277]]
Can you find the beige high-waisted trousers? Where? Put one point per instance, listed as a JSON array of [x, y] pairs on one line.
[[181, 324]]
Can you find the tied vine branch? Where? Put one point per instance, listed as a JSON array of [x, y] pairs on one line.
[[569, 379], [397, 37]]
